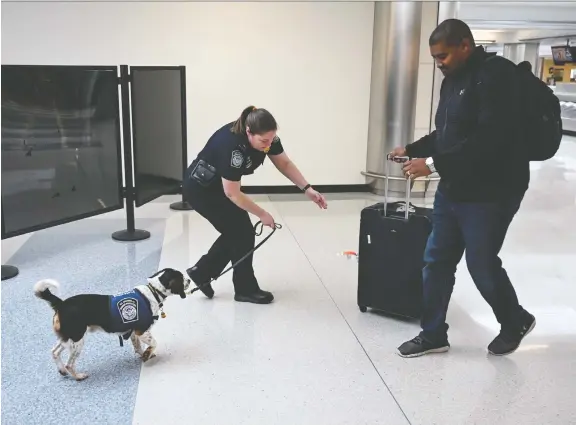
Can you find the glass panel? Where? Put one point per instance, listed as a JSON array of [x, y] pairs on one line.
[[60, 145], [157, 132]]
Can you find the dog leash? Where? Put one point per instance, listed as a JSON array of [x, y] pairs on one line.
[[258, 229], [157, 295]]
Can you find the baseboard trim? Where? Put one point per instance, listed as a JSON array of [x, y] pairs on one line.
[[323, 188], [569, 133], [279, 190]]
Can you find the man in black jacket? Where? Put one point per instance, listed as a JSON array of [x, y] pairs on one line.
[[474, 149]]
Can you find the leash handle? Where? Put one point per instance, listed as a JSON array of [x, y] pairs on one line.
[[259, 232], [258, 229]]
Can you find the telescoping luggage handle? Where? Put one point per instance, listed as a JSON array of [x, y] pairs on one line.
[[386, 183]]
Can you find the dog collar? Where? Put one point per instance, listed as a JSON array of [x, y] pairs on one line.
[[157, 295]]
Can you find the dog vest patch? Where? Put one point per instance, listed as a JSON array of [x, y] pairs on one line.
[[130, 310]]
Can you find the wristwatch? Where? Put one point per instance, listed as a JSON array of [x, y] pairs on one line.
[[430, 164], [305, 188]]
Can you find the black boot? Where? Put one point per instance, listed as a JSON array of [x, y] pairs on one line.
[[257, 297], [204, 285]]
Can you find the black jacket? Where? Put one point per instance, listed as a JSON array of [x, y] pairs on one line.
[[475, 145]]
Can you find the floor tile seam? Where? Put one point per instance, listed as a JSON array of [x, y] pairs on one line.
[[162, 243], [287, 227]]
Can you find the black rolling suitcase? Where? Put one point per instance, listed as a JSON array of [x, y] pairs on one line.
[[393, 237]]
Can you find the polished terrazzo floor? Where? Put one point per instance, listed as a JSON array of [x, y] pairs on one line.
[[311, 357]]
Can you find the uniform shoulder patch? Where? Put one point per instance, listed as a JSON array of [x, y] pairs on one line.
[[237, 158], [276, 139]]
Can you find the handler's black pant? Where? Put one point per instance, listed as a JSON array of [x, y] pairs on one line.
[[236, 236]]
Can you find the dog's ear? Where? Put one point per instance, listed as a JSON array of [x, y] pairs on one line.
[[164, 276], [177, 285], [158, 273]]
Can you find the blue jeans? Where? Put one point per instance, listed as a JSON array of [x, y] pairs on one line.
[[480, 229]]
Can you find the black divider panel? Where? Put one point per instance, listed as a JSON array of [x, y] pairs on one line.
[[61, 150], [159, 130]]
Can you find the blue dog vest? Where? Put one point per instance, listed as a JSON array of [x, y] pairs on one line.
[[129, 311]]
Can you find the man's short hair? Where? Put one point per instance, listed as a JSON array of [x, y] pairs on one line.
[[451, 32]]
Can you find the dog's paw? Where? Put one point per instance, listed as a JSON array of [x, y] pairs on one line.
[[148, 354], [80, 376], [63, 372]]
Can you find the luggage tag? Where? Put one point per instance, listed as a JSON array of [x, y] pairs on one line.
[[402, 208]]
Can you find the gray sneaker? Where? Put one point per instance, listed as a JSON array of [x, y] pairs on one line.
[[418, 347]]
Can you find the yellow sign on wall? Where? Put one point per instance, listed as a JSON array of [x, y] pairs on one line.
[[559, 73]]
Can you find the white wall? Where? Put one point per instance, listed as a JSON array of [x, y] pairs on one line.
[[308, 63]]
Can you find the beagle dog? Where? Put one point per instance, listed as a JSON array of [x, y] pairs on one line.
[[129, 315]]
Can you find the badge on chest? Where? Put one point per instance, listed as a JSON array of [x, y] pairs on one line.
[[252, 162]]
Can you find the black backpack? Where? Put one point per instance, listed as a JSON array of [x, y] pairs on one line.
[[540, 115]]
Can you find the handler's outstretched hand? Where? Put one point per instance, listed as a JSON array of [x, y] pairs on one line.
[[317, 198]]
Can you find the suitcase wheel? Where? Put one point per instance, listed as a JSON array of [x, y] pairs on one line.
[[363, 308]]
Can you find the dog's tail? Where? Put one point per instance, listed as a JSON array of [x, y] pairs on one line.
[[42, 290]]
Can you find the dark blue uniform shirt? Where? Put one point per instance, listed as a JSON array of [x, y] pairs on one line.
[[233, 156]]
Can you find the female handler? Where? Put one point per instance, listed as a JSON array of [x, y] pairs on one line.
[[212, 187]]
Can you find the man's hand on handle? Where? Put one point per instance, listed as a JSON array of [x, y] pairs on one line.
[[399, 151], [416, 168], [413, 168]]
